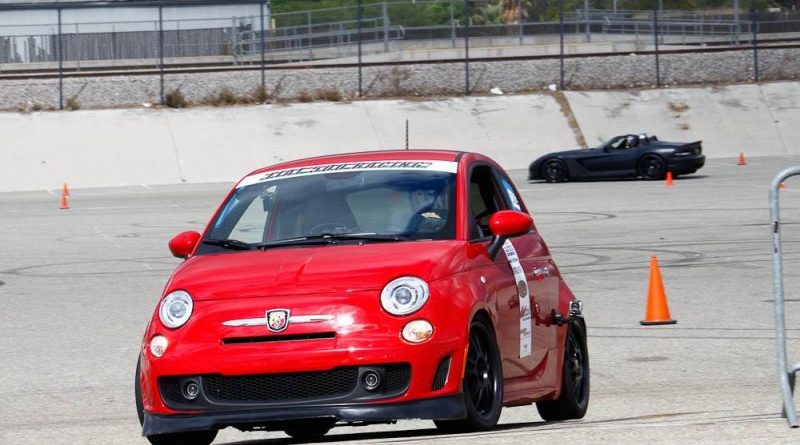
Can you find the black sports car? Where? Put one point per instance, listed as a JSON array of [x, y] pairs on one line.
[[629, 155]]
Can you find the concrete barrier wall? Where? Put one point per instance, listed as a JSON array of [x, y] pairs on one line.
[[93, 148]]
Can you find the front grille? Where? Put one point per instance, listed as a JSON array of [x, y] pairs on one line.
[[440, 378], [171, 389], [397, 377], [278, 338], [281, 387]]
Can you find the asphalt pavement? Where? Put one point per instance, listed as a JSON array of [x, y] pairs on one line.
[[78, 286]]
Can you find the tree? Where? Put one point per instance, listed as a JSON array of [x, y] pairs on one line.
[[515, 11]]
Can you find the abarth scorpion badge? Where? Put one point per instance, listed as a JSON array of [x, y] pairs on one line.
[[277, 320]]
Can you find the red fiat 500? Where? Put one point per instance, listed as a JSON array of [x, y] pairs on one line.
[[362, 288]]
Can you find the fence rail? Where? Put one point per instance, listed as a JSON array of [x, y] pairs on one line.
[[73, 35]]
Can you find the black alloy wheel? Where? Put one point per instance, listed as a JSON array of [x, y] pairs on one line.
[[652, 167], [573, 401], [187, 438], [555, 171], [483, 382]]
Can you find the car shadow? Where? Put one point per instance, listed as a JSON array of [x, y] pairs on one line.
[[689, 177], [373, 436]]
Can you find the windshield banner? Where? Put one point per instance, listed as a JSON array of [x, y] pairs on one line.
[[416, 165]]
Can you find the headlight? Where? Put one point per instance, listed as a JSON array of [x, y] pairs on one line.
[[176, 308], [404, 295]]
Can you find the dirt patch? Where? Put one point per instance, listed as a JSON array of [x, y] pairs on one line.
[[566, 110], [678, 107]]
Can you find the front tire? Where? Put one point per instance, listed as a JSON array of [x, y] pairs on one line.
[[652, 167], [483, 382], [554, 170], [188, 438], [573, 401]]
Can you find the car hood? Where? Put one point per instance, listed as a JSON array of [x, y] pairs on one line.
[[314, 270]]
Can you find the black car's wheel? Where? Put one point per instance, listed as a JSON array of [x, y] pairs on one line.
[[483, 382], [309, 430], [652, 167], [188, 438], [554, 170], [574, 398]]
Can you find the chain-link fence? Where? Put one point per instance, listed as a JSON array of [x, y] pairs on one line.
[[76, 39]]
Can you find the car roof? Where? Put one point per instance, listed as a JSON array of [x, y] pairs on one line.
[[383, 155]]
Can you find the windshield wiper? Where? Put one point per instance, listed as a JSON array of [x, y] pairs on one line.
[[233, 244], [330, 238]]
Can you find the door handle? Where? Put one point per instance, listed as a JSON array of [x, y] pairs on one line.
[[540, 273]]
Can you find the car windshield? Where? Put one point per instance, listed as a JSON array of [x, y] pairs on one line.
[[333, 208]]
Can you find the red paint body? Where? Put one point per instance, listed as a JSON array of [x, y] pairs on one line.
[[346, 281]]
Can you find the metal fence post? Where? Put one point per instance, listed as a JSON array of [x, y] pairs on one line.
[[263, 63], [385, 27], [561, 42], [754, 32], [586, 18], [60, 64], [519, 21], [452, 25], [655, 41], [738, 28], [310, 29], [466, 47], [161, 50], [360, 24]]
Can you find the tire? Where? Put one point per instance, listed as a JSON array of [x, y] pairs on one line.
[[554, 170], [652, 167], [310, 430], [574, 398], [483, 382], [188, 438]]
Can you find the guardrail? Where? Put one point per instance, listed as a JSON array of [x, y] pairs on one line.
[[786, 372]]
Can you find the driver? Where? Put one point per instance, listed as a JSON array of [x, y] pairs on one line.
[[426, 205], [631, 141], [422, 201]]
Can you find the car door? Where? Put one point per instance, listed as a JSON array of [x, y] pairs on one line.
[[618, 159], [543, 291]]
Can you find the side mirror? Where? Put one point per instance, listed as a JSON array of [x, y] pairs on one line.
[[507, 224], [183, 244]]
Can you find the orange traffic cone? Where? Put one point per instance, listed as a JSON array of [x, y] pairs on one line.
[[741, 159], [782, 186], [657, 308], [65, 190], [64, 202], [669, 179]]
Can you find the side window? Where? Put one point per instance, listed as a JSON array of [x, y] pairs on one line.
[[484, 200], [511, 196]]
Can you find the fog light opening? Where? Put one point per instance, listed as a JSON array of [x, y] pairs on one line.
[[191, 389], [417, 331], [371, 380]]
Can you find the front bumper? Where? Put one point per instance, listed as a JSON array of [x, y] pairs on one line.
[[286, 365], [440, 408]]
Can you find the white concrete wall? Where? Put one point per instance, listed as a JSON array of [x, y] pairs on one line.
[[754, 119], [97, 148]]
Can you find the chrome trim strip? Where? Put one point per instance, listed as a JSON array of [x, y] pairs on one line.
[[292, 319]]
